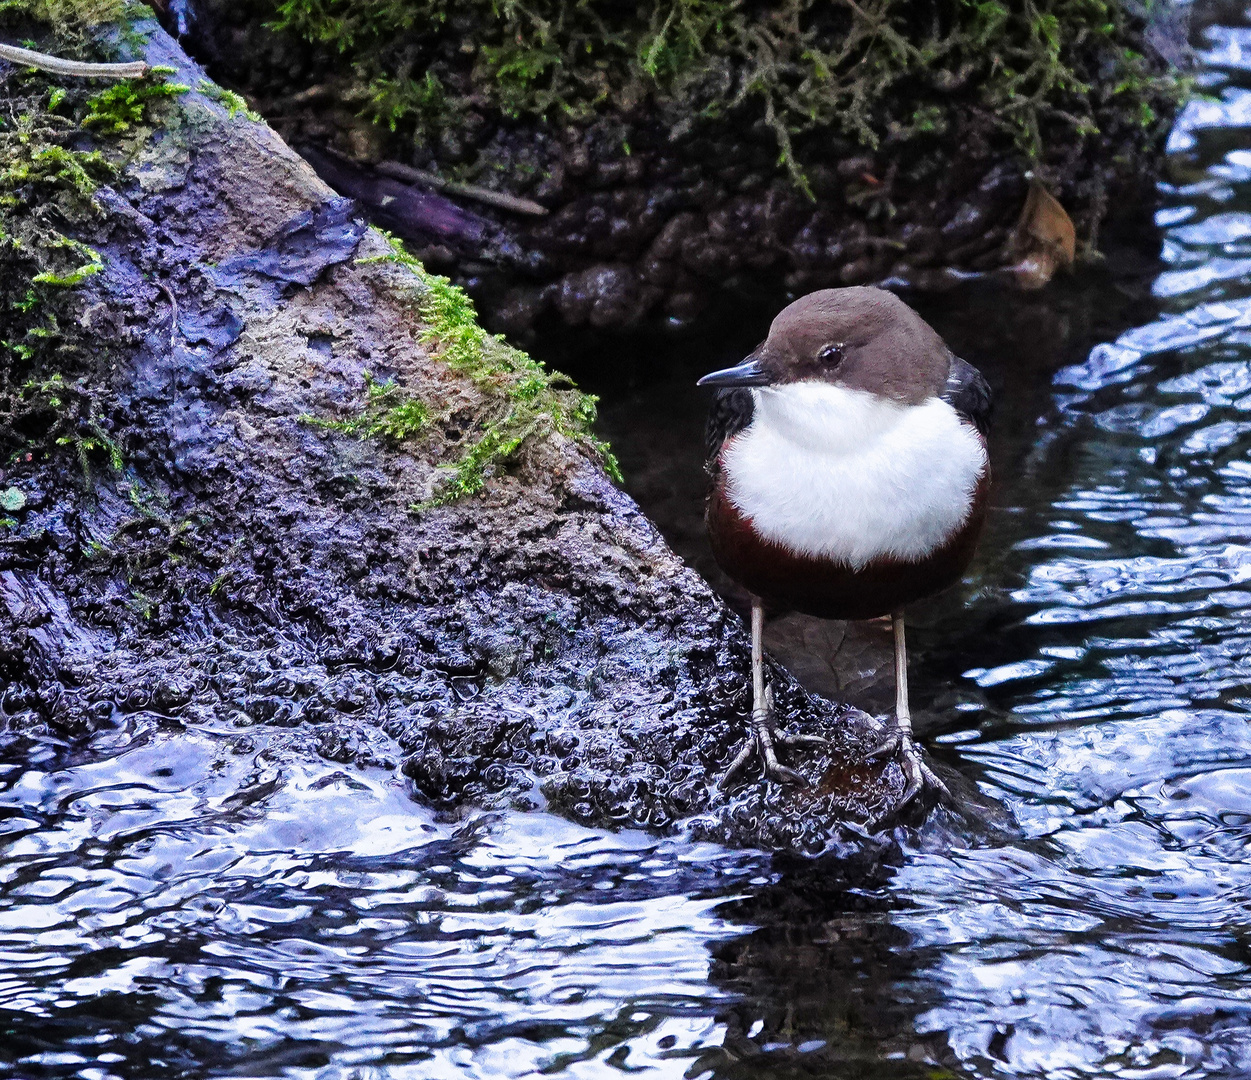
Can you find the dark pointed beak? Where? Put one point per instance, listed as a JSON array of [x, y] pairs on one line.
[[748, 373]]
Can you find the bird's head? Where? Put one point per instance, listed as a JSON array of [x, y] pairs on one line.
[[859, 338]]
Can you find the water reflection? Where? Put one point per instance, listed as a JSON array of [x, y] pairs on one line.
[[178, 906], [1114, 720]]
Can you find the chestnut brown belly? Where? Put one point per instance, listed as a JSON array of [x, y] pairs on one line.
[[828, 589]]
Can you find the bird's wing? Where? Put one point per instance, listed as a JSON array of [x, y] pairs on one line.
[[968, 393], [731, 412]]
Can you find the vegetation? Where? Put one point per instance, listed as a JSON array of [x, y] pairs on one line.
[[46, 190], [71, 419], [56, 149], [50, 173], [125, 103], [532, 400], [388, 414], [855, 66], [234, 104], [73, 19], [48, 178]]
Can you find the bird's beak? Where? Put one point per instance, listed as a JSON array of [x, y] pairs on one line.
[[748, 373]]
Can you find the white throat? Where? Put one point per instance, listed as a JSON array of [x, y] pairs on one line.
[[848, 475]]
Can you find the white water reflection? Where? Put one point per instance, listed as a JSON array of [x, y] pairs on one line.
[[241, 910]]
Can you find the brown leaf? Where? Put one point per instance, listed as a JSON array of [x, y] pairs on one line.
[[1044, 241]]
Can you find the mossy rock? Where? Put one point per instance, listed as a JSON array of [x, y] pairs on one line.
[[691, 150], [191, 547]]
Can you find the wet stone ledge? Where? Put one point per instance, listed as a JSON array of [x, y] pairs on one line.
[[242, 560]]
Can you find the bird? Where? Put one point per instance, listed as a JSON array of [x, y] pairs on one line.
[[850, 476]]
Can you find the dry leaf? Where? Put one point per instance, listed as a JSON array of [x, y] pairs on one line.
[[1044, 241]]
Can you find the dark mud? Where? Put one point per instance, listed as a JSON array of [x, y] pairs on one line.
[[246, 570], [657, 222]]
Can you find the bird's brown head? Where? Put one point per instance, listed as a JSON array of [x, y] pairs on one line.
[[860, 338]]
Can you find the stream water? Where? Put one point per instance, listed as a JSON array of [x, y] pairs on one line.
[[170, 907]]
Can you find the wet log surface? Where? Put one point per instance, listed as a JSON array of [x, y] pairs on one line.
[[535, 646]]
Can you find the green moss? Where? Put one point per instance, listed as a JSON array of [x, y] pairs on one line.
[[534, 401], [69, 16], [51, 167], [388, 413], [124, 104], [234, 104], [419, 104], [70, 419], [75, 276], [800, 66], [46, 189]]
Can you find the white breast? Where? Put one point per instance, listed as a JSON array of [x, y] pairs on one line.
[[847, 475]]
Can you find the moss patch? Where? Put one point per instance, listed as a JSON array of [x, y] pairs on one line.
[[234, 104], [388, 414], [46, 190], [70, 17], [71, 420], [533, 401], [56, 149], [126, 103], [801, 66]]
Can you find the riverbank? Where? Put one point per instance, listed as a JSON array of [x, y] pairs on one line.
[[659, 163]]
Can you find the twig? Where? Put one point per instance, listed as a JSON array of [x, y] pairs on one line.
[[173, 314], [58, 66], [514, 203]]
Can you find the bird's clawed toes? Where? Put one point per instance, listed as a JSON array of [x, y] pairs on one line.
[[918, 775], [763, 740], [773, 769], [783, 739], [740, 759]]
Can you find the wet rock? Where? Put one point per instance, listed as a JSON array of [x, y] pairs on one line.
[[600, 296], [537, 641]]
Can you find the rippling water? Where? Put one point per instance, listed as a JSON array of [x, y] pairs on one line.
[[1113, 720], [178, 903]]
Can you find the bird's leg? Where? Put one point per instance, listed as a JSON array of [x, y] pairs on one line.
[[761, 715], [900, 741], [903, 715]]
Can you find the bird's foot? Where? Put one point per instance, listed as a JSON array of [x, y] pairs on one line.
[[763, 740], [917, 774], [773, 769]]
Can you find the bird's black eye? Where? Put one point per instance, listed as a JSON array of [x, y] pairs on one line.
[[831, 354]]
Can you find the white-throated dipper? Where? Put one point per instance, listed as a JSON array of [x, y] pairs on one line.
[[849, 478]]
